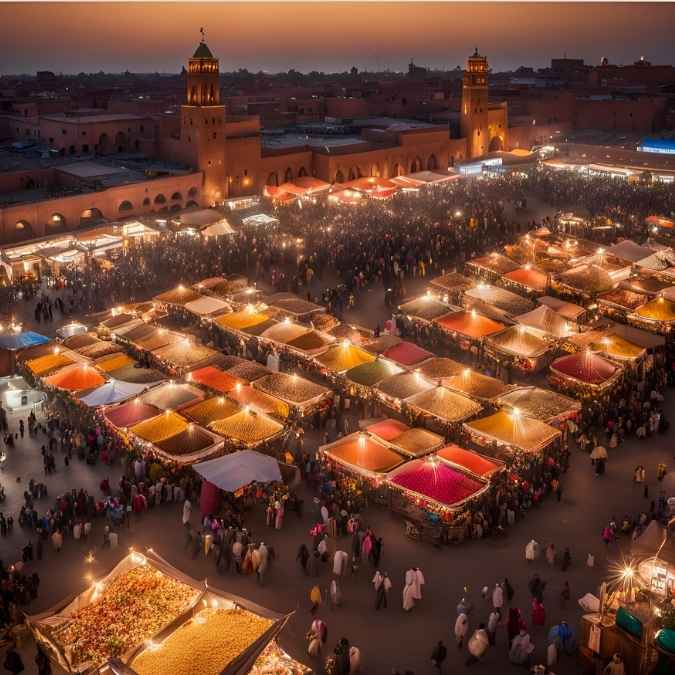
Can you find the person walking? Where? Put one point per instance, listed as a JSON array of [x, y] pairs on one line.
[[493, 622], [498, 597], [478, 645], [461, 629], [438, 656], [187, 512]]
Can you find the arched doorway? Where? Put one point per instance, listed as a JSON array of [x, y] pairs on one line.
[[90, 217], [160, 199], [103, 145], [397, 170], [375, 171], [302, 173], [22, 230], [496, 144], [339, 177], [432, 163], [126, 205], [288, 176], [416, 165], [177, 196], [56, 221], [273, 179], [120, 141]]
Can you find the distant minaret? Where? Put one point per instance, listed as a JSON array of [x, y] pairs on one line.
[[474, 113], [203, 122]]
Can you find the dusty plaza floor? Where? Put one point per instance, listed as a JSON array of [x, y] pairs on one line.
[[388, 638]]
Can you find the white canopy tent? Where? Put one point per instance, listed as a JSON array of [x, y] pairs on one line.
[[207, 305], [111, 392], [232, 472]]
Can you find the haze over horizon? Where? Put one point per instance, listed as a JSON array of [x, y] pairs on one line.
[[331, 37]]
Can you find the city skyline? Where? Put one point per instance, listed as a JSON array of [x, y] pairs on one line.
[[330, 37]]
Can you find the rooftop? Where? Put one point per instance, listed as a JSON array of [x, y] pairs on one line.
[[93, 119]]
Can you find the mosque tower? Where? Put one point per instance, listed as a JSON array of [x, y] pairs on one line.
[[474, 112], [203, 123]]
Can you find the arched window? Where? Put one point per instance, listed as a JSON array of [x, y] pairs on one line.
[[57, 220], [339, 176], [288, 176], [176, 196], [160, 199], [432, 163], [120, 141], [273, 179], [126, 205], [192, 192], [302, 172]]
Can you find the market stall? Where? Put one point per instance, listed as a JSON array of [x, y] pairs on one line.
[[380, 344], [246, 395], [386, 429], [511, 431], [51, 362], [284, 331], [584, 282], [237, 321], [211, 410], [180, 296], [476, 385], [76, 377], [496, 302], [248, 429], [13, 343], [343, 357], [301, 395], [214, 379], [129, 414], [434, 486], [393, 390], [441, 407], [414, 443], [490, 267], [527, 280], [470, 462], [361, 455], [293, 306], [184, 355], [521, 347], [439, 368], [407, 354], [468, 327], [657, 315], [425, 308], [355, 334], [546, 323], [451, 286], [541, 404], [646, 284], [312, 343], [111, 392], [148, 376], [584, 372], [172, 396], [367, 375], [143, 594], [112, 362], [619, 349], [619, 302], [248, 371], [207, 306], [567, 310]]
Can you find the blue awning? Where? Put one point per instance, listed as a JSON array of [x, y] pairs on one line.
[[659, 145], [14, 341]]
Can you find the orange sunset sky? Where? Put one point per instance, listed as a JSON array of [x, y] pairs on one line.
[[148, 37]]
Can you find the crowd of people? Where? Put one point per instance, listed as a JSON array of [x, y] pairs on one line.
[[345, 251]]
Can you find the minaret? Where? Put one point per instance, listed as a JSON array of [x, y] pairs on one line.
[[203, 122], [474, 113]]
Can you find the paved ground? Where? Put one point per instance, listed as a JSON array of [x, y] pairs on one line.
[[388, 638]]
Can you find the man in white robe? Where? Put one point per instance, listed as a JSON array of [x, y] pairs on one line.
[[531, 550], [408, 596], [415, 577]]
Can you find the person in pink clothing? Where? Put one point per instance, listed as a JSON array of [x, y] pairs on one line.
[[367, 545]]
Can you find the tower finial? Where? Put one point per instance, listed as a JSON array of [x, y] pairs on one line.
[[476, 52], [203, 32]]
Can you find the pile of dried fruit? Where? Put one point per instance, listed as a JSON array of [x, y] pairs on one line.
[[130, 610]]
